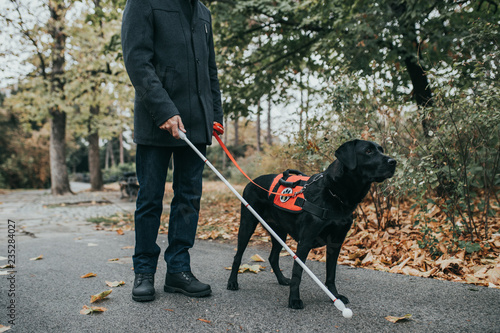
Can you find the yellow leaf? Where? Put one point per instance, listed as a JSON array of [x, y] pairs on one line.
[[88, 275], [250, 268], [257, 258], [100, 296], [114, 259], [393, 319], [40, 257]]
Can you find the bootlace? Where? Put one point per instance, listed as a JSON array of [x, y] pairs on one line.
[[145, 276]]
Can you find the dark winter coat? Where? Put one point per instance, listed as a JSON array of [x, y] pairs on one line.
[[169, 55]]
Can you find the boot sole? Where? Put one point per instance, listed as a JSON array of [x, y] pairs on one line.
[[146, 298], [203, 293]]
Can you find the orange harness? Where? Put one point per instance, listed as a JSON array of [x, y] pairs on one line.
[[291, 185]]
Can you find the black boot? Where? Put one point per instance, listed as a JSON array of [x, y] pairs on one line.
[[186, 283], [144, 287]]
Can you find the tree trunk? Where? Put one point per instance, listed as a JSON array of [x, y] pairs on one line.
[[111, 154], [224, 140], [236, 131], [58, 170], [122, 156], [421, 89], [258, 127], [269, 136], [96, 183]]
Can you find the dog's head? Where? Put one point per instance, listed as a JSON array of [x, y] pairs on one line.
[[367, 159]]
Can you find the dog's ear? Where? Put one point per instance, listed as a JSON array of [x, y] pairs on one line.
[[346, 154]]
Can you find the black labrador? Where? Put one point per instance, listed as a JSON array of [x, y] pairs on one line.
[[339, 189]]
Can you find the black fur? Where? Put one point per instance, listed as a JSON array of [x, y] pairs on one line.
[[340, 188]]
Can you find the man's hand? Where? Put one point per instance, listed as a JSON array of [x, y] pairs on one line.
[[173, 126], [218, 128]]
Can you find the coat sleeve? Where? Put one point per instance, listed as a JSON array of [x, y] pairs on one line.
[[214, 81], [138, 54]]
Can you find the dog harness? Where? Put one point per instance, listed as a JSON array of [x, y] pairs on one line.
[[294, 182]]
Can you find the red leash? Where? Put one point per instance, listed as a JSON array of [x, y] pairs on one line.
[[243, 172]]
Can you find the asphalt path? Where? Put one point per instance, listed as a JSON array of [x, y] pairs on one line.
[[49, 293]]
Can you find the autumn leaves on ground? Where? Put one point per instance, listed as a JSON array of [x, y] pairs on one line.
[[430, 250]]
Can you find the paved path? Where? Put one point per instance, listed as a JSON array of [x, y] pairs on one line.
[[49, 293]]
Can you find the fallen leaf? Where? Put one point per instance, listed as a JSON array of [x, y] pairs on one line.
[[393, 319], [100, 296], [115, 283], [3, 258], [257, 258], [250, 268], [127, 247], [120, 232], [169, 310], [88, 275], [86, 310], [40, 257], [4, 328], [92, 244], [7, 266], [204, 320], [114, 259]]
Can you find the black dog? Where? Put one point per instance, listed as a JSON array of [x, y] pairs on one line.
[[338, 190]]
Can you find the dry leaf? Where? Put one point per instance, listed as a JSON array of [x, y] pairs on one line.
[[7, 266], [114, 259], [257, 258], [204, 320], [92, 244], [4, 328], [40, 257], [86, 310], [169, 310], [100, 296], [115, 283], [88, 275], [120, 232], [128, 247], [250, 268], [393, 319]]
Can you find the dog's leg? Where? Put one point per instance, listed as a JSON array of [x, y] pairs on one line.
[[332, 255], [294, 300], [248, 223], [274, 258], [334, 242]]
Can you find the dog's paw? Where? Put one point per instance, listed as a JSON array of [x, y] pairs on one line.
[[232, 285], [284, 281], [295, 304]]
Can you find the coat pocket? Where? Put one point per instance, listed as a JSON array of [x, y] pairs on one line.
[[168, 79]]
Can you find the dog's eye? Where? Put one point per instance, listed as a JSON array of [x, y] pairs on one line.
[[368, 151]]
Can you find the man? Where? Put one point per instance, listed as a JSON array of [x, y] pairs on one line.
[[169, 55]]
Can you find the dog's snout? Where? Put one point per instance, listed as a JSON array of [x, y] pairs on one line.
[[392, 162]]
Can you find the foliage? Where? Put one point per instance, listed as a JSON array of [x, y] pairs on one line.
[[24, 154], [267, 46]]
